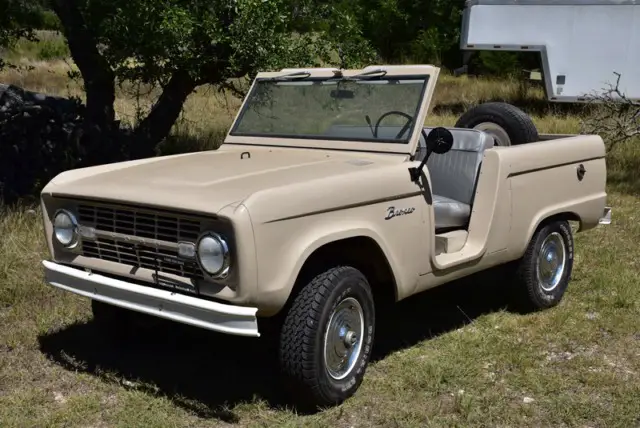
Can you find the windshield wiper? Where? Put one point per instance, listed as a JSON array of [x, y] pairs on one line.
[[370, 74], [299, 75], [291, 76], [338, 76]]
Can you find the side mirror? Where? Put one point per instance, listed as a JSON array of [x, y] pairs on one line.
[[439, 141]]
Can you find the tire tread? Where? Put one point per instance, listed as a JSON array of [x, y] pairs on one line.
[[299, 331], [525, 293], [516, 122]]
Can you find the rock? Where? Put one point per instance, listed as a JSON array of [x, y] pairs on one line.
[[36, 139], [59, 398], [43, 135]]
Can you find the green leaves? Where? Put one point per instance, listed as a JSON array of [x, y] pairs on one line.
[[178, 45], [149, 40], [424, 31]]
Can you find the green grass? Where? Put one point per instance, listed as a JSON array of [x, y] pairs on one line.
[[448, 357], [50, 45]]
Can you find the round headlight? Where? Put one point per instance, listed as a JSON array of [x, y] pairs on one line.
[[213, 254], [65, 228]]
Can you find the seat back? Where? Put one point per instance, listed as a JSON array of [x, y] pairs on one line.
[[454, 174]]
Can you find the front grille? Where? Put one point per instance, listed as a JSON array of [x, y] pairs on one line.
[[141, 223], [144, 224], [141, 256]]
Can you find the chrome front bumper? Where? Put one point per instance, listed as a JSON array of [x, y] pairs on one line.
[[230, 319]]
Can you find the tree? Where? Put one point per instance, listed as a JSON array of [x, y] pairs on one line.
[[18, 18], [422, 30], [178, 45], [615, 117]]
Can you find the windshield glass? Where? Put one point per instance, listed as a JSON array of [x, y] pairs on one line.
[[371, 110]]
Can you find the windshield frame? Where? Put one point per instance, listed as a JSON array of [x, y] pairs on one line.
[[406, 146]]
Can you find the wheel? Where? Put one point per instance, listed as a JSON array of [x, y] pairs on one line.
[[327, 337], [506, 123], [113, 322], [544, 272]]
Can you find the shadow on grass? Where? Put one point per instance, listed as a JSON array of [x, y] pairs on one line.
[[209, 373], [439, 311]]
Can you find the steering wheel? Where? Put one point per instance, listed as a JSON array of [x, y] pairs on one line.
[[401, 113], [404, 128]]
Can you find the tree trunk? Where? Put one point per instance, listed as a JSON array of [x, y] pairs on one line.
[[164, 113], [99, 140], [99, 80]]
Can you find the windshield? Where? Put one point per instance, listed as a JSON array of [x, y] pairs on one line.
[[370, 110]]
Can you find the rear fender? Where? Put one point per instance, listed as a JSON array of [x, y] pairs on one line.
[[545, 181]]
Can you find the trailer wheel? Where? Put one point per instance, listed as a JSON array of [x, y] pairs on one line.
[[506, 123]]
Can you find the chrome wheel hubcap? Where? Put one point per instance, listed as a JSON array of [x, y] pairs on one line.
[[496, 131], [343, 338], [551, 262]]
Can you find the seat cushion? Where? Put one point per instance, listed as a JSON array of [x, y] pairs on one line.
[[450, 213]]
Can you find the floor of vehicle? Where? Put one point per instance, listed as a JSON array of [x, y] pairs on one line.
[[451, 242]]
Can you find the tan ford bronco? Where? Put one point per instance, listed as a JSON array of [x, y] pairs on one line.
[[328, 198]]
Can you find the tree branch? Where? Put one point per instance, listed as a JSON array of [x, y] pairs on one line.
[[616, 118], [231, 87], [157, 125]]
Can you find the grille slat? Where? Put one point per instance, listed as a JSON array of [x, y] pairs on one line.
[[139, 223], [142, 224], [145, 257]]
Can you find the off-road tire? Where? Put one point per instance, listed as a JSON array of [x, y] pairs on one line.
[[515, 122], [527, 291], [301, 351]]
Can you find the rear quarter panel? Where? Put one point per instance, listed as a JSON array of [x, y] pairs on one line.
[[543, 181]]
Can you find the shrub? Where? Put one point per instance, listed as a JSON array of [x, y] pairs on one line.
[[50, 21]]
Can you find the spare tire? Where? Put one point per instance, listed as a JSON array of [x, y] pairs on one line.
[[506, 123]]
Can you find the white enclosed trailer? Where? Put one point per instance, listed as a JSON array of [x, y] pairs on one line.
[[582, 43]]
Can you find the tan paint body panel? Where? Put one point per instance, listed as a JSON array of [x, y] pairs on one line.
[[280, 204], [207, 181]]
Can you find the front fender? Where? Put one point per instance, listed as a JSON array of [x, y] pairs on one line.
[[312, 242], [283, 247]]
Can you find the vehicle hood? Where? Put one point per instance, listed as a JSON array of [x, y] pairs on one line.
[[208, 181]]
